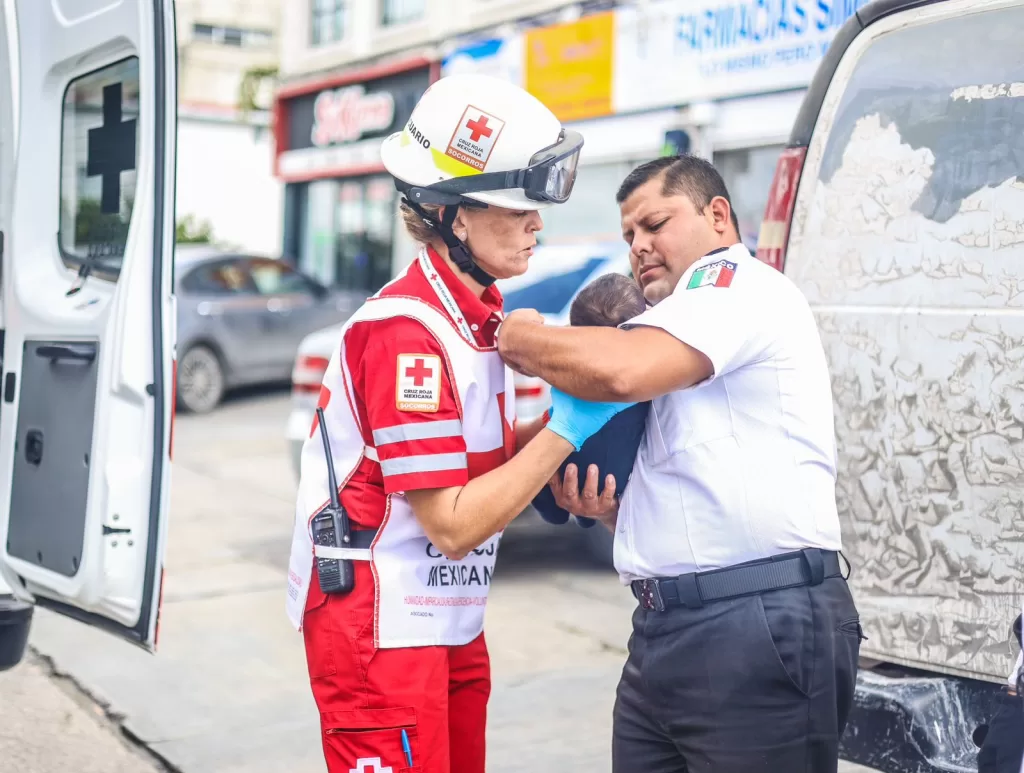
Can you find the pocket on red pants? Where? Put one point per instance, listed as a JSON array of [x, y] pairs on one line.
[[369, 740]]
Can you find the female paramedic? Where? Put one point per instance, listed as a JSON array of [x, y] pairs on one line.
[[420, 413]]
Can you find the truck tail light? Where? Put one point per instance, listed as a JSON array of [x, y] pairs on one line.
[[308, 374], [778, 214]]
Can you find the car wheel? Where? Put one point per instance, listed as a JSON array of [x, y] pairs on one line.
[[200, 380]]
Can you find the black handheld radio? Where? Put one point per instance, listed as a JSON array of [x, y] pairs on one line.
[[331, 529]]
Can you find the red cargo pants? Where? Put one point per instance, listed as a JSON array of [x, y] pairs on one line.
[[367, 696]]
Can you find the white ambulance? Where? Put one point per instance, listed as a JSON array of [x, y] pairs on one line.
[[87, 148]]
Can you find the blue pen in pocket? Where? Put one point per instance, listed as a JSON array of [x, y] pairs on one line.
[[406, 748]]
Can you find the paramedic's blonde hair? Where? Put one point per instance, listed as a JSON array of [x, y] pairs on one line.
[[414, 225]]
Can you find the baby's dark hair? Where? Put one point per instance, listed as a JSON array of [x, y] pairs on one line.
[[608, 301]]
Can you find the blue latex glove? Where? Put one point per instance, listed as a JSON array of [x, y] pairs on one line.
[[576, 420]]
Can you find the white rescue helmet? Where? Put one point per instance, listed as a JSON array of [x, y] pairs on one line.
[[479, 140]]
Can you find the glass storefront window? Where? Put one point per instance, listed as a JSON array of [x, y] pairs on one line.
[[353, 261], [349, 231], [380, 228], [748, 174], [317, 255]]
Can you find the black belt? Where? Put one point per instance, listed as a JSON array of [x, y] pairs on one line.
[[790, 570]]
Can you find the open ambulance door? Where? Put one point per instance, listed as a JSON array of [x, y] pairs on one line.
[[87, 146]]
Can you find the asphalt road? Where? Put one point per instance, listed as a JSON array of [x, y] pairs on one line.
[[227, 691]]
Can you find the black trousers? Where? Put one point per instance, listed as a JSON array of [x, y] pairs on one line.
[[1003, 749], [762, 683]]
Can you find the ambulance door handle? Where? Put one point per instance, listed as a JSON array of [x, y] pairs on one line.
[[77, 352], [108, 530]]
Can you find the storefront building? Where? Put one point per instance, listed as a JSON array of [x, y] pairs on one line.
[[340, 213], [720, 78]]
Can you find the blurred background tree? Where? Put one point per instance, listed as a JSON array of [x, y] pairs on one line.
[[188, 231], [255, 88]]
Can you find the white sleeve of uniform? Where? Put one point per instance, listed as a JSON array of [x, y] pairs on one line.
[[721, 322]]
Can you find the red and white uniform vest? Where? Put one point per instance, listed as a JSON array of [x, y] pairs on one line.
[[422, 598]]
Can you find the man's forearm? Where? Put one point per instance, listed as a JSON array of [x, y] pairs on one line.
[[585, 362]]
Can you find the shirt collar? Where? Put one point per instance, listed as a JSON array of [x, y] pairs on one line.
[[476, 310], [731, 252]]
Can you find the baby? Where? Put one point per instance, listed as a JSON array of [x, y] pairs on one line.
[[609, 300]]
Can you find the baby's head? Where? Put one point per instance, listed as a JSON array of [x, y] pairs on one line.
[[607, 301]]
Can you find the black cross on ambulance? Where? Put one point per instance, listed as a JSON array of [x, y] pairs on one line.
[[87, 314]]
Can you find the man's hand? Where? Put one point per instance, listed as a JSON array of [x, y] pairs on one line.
[[603, 508], [507, 332]]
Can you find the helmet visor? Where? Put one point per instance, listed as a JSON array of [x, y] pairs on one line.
[[550, 176], [552, 172]]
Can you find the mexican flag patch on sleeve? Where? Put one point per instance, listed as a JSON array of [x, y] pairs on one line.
[[717, 274]]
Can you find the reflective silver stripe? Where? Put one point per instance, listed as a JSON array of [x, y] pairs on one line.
[[350, 554], [426, 430], [423, 463], [371, 453]]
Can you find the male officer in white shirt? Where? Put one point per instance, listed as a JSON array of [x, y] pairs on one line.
[[745, 642]]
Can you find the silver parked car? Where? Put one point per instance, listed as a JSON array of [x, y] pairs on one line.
[[240, 320]]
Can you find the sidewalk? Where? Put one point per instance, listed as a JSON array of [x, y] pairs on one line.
[[46, 727]]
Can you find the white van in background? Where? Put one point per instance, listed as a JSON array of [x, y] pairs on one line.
[[87, 163], [898, 209]]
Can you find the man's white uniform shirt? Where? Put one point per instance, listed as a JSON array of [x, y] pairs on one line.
[[743, 465]]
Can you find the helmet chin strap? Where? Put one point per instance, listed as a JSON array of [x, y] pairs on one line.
[[457, 251]]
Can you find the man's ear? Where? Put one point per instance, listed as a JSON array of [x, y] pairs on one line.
[[721, 214]]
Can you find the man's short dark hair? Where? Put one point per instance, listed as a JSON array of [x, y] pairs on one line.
[[687, 175]]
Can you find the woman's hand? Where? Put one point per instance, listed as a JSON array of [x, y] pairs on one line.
[[576, 420], [603, 507]]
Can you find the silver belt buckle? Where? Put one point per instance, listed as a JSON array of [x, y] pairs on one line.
[[650, 595]]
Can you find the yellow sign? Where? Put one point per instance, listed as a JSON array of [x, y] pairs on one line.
[[569, 66]]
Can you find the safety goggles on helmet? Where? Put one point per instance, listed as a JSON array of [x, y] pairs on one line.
[[549, 177]]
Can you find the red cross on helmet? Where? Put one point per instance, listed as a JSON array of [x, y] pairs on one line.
[[478, 139]]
